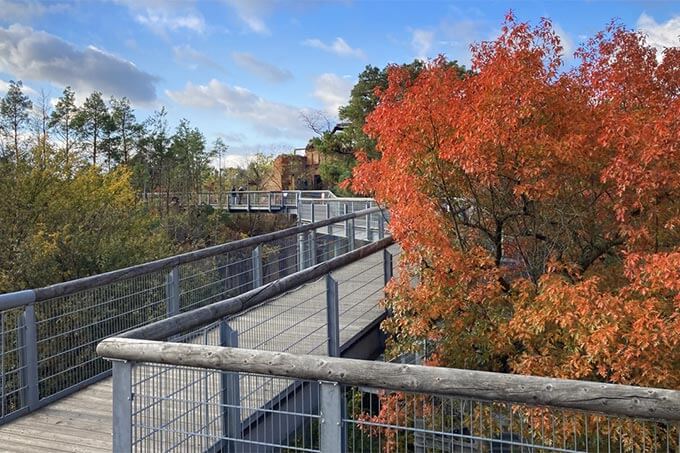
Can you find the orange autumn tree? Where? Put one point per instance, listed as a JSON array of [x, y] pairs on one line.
[[537, 207]]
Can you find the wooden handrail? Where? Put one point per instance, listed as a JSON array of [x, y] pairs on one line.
[[610, 399]]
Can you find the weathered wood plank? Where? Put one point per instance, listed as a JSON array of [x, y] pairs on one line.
[[619, 400]]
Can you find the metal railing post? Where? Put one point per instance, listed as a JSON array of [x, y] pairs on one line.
[[122, 406], [328, 216], [330, 411], [388, 270], [369, 233], [269, 201], [351, 235], [28, 344], [301, 250], [333, 316], [257, 267], [381, 225], [349, 230], [248, 201], [172, 291], [231, 395], [312, 248]]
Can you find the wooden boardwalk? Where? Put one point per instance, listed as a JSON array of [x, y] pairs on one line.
[[294, 322]]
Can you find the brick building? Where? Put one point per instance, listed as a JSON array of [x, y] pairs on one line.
[[296, 172]]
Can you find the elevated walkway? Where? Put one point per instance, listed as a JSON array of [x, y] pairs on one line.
[[56, 394], [308, 206]]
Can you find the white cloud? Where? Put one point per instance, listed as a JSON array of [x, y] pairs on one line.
[[250, 12], [261, 68], [231, 137], [163, 16], [565, 39], [161, 21], [4, 86], [333, 91], [421, 42], [233, 160], [660, 35], [193, 58], [16, 11], [36, 55], [267, 117], [338, 47]]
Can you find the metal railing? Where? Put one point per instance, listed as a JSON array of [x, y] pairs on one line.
[[48, 335], [308, 205], [328, 308], [337, 405]]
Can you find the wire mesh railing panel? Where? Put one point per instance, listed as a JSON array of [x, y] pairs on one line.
[[215, 278], [184, 409], [293, 322], [328, 245], [279, 258], [69, 327], [304, 212], [360, 290], [381, 421], [12, 362]]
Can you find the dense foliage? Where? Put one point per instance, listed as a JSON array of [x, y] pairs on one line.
[[538, 207], [72, 181], [339, 146]]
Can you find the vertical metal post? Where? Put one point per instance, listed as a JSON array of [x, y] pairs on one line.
[[221, 263], [330, 428], [257, 267], [347, 229], [172, 291], [328, 216], [28, 344], [301, 251], [122, 406], [369, 233], [333, 316], [388, 270], [311, 205], [248, 200], [312, 248], [351, 235], [269, 199], [381, 225], [231, 395]]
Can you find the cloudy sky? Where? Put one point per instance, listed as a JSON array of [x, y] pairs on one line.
[[245, 69]]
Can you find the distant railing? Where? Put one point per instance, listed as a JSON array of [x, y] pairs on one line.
[[343, 405], [305, 203], [48, 335]]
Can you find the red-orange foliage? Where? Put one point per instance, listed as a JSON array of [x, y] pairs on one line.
[[538, 207]]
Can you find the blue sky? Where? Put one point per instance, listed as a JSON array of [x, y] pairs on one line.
[[245, 70]]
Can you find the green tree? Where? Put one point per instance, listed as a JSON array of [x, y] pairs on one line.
[[125, 129], [93, 122], [190, 158], [61, 120], [14, 109], [339, 144], [219, 150], [55, 229]]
